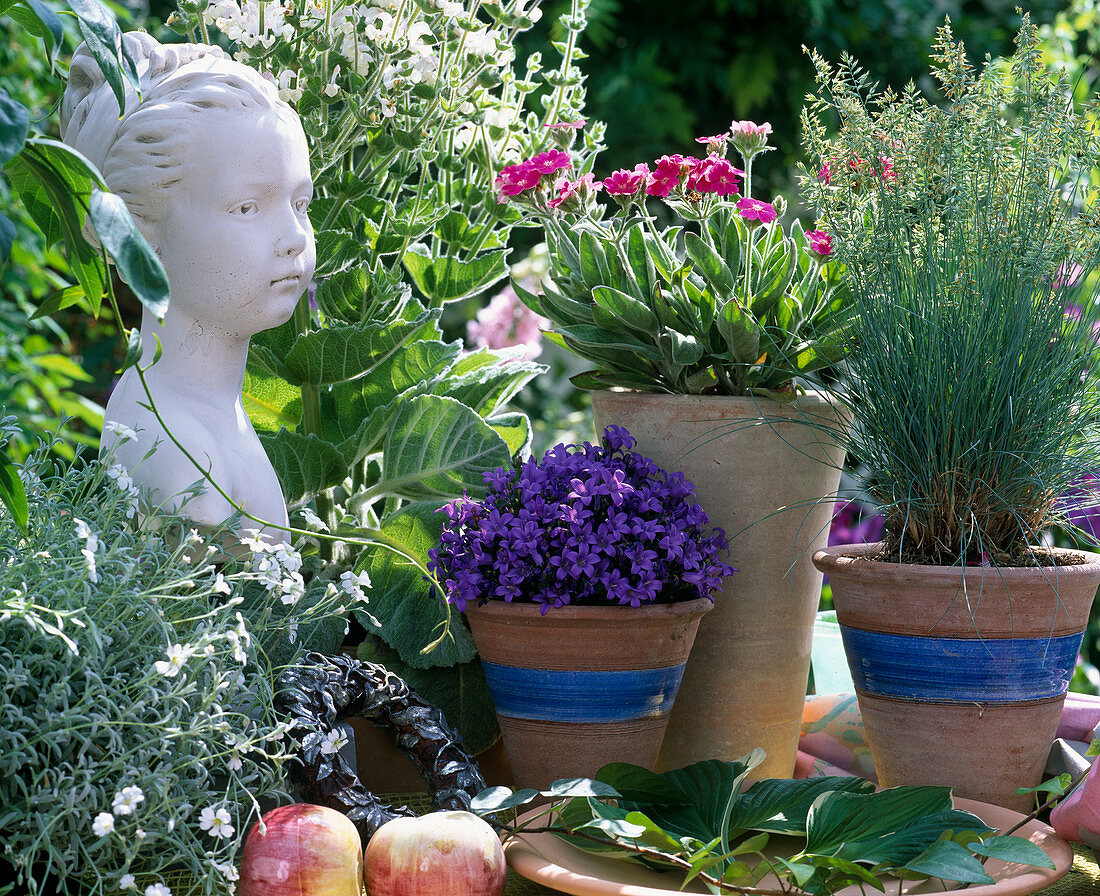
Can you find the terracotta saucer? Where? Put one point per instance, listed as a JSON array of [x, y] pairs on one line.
[[549, 861]]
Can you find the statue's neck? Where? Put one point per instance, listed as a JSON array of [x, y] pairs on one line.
[[207, 360]]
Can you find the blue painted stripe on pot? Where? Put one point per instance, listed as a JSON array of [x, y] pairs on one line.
[[576, 696], [960, 670]]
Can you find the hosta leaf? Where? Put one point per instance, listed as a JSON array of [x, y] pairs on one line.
[[638, 784], [401, 600], [437, 447], [459, 690], [947, 860], [1015, 850], [338, 354], [305, 464], [447, 279], [708, 785], [781, 806]]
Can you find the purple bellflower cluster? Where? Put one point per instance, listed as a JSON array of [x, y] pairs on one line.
[[586, 525]]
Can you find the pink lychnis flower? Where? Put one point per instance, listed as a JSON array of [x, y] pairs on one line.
[[749, 137], [715, 175], [517, 179], [625, 182], [665, 176], [756, 210], [566, 125], [574, 192], [821, 242], [551, 161]]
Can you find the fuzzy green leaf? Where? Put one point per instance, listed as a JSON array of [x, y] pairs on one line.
[[447, 279], [437, 448], [626, 311], [741, 332], [400, 598], [338, 354], [305, 464]]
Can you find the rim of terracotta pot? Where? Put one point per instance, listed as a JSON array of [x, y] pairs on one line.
[[845, 558], [964, 601], [804, 401], [493, 607]]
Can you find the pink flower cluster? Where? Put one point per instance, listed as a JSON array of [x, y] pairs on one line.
[[886, 172], [515, 180]]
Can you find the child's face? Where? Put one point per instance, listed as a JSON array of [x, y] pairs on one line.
[[236, 241]]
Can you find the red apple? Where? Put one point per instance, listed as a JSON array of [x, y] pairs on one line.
[[438, 854], [305, 851]]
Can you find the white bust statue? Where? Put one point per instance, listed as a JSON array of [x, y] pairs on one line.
[[215, 170]]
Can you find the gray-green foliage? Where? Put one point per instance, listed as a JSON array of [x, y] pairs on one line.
[[965, 229], [127, 659], [371, 418]]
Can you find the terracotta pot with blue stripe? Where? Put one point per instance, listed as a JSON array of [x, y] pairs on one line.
[[582, 686], [961, 673]]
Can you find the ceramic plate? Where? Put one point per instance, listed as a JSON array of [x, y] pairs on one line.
[[547, 860]]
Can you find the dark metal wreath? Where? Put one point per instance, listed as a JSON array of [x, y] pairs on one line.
[[321, 691]]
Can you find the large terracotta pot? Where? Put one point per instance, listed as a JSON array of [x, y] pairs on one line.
[[766, 473], [960, 674], [582, 686]]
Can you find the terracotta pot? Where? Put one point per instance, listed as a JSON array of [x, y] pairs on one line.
[[960, 674], [582, 686], [766, 473]]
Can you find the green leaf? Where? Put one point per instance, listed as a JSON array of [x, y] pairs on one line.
[[436, 448], [515, 429], [593, 260], [401, 600], [104, 40], [640, 785], [41, 21], [741, 332], [15, 122], [12, 494], [54, 184], [134, 258], [781, 806], [460, 690], [498, 799], [340, 295], [1015, 850], [626, 311], [947, 860], [486, 389], [338, 354], [271, 402], [889, 826], [447, 279], [7, 237], [708, 263], [645, 274], [306, 465]]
